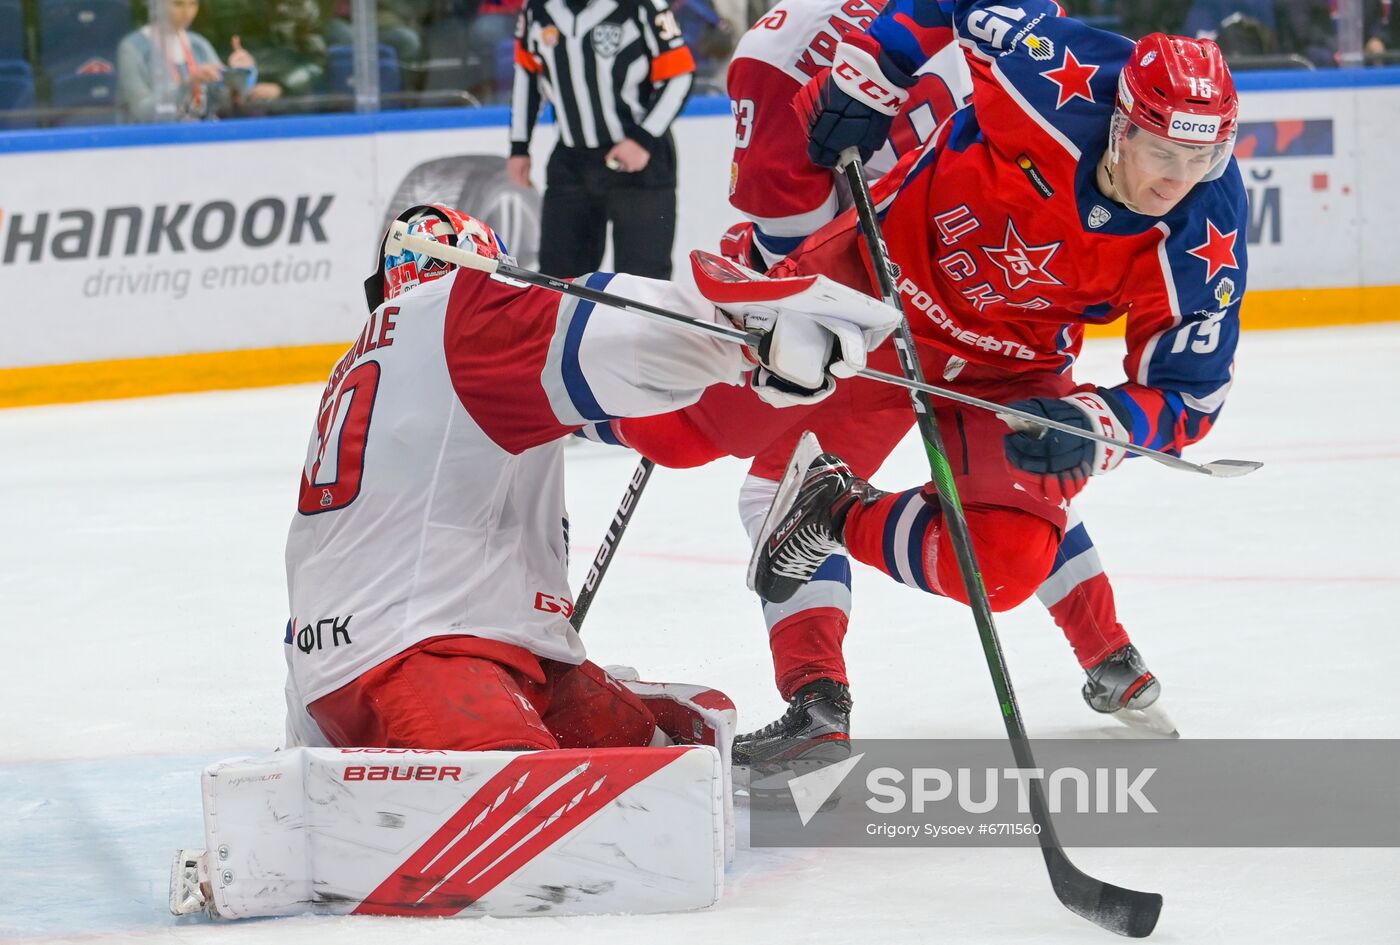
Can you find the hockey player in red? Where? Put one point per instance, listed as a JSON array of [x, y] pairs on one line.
[[806, 632], [1092, 178], [784, 195], [426, 564]]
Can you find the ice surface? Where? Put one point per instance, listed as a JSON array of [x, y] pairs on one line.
[[142, 607]]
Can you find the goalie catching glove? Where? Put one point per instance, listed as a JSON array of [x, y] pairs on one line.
[[810, 329]]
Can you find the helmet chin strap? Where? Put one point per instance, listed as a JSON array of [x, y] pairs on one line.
[[1110, 158]]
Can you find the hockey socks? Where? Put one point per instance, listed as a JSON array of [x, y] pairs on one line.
[[902, 534]]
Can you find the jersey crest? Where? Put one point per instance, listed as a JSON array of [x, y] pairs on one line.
[[606, 39], [1021, 263]]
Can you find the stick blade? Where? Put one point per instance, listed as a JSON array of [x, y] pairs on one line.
[[1126, 911], [1231, 468]]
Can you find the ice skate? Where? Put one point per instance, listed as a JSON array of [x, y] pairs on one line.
[[190, 892], [804, 524], [813, 733], [1122, 686]]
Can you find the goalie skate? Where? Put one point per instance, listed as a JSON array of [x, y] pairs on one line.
[[189, 884]]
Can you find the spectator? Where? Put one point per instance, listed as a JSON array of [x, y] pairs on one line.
[[1382, 31], [1241, 27], [493, 23], [290, 48], [399, 25], [709, 35], [202, 82], [616, 84], [1137, 18], [1306, 28]]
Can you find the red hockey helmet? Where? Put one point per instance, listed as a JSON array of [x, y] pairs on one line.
[[1180, 89], [400, 271]]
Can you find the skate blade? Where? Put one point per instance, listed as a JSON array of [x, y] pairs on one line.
[[807, 450], [775, 789], [1153, 719]]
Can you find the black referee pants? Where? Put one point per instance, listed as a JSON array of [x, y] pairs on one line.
[[581, 197]]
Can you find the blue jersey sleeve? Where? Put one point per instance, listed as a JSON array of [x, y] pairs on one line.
[[1028, 63], [911, 31]]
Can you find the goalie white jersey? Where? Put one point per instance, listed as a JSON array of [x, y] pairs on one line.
[[432, 498]]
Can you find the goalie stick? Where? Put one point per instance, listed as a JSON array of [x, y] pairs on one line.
[[1125, 911], [611, 539], [1016, 419]]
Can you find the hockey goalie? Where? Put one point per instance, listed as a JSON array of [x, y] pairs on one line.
[[450, 748]]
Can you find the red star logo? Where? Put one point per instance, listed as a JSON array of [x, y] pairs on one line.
[[1021, 263], [1218, 251], [1073, 79]]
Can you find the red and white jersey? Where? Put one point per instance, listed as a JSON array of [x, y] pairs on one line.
[[771, 180], [432, 498]]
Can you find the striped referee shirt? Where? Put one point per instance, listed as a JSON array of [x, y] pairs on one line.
[[612, 69]]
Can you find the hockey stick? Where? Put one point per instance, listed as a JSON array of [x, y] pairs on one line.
[[1017, 419], [611, 539], [1125, 911]]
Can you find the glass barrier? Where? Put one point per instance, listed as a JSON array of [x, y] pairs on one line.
[[94, 62]]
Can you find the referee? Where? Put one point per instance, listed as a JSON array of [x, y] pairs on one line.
[[617, 73]]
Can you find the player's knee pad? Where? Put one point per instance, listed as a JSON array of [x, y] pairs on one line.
[[1014, 550]]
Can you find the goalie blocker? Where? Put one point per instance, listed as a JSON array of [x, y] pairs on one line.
[[414, 832]]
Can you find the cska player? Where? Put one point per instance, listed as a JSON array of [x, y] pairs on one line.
[[1025, 222], [1091, 179]]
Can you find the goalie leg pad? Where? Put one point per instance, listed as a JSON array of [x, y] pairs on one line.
[[695, 715], [441, 833]]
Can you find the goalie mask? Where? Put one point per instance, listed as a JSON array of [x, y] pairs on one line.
[[1175, 122], [403, 269]]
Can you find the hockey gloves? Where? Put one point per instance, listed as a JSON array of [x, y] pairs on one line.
[[855, 104], [809, 329], [793, 359], [1054, 455]]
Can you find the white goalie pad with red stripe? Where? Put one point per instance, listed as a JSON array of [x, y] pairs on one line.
[[692, 715], [441, 833]]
